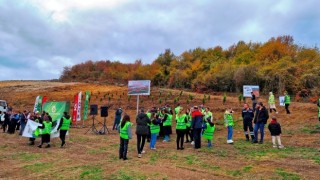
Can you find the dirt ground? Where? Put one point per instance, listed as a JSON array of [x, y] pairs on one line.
[[91, 156]]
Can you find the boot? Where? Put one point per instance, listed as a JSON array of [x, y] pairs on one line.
[[247, 137], [252, 137], [40, 146], [48, 146]]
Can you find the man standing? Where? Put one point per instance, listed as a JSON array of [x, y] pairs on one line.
[[260, 119], [247, 116], [196, 126], [23, 121], [254, 101], [287, 101]]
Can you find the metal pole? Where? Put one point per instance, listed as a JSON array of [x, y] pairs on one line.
[[137, 104]]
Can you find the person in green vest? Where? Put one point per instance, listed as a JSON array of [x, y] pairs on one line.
[[189, 133], [318, 108], [154, 130], [272, 103], [208, 115], [46, 131], [167, 123], [125, 134], [181, 126], [208, 130], [287, 101], [177, 109], [229, 123], [64, 127]]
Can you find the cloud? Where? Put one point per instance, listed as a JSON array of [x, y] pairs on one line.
[[41, 37]]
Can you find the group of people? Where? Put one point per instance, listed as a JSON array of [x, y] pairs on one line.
[[11, 122], [193, 124]]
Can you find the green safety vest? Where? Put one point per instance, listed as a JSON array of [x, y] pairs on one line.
[[189, 120], [37, 131], [271, 99], [177, 110], [124, 131], [229, 119], [155, 129], [149, 115], [208, 132], [168, 122], [207, 115], [287, 99], [181, 124], [65, 124], [160, 114], [47, 128]]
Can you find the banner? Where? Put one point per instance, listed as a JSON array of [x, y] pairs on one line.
[[79, 107], [38, 104], [56, 109], [139, 87], [75, 108], [247, 89], [29, 130], [281, 100], [86, 105], [44, 100]]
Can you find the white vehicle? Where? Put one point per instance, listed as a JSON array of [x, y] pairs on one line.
[[3, 106]]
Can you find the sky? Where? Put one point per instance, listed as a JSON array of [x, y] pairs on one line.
[[40, 37]]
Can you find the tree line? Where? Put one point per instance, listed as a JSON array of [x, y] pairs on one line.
[[276, 65]]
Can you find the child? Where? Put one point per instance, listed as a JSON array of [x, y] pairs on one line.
[[154, 129], [229, 123], [167, 123], [188, 130], [275, 130], [125, 134], [209, 129], [46, 131]]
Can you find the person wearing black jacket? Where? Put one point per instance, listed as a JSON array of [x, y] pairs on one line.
[[6, 121], [275, 130], [247, 116], [63, 128], [142, 131], [254, 101], [260, 119]]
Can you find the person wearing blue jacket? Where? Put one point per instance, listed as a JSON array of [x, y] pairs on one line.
[[196, 126], [117, 118]]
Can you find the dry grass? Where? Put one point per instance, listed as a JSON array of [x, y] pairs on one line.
[[93, 156]]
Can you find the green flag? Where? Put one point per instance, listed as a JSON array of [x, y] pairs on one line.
[[86, 105]]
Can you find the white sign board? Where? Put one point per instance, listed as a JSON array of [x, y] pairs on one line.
[[281, 100], [247, 89], [139, 87]]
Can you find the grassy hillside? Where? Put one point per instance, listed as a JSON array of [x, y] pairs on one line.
[[93, 156]]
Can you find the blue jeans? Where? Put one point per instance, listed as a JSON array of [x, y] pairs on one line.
[[23, 125], [166, 137], [258, 126], [209, 144], [153, 140], [230, 132]]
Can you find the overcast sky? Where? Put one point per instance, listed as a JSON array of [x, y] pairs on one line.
[[40, 37]]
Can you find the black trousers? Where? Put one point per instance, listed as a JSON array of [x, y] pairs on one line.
[[180, 138], [248, 125], [274, 109], [141, 141], [5, 125], [197, 138], [12, 127], [63, 136], [45, 138], [254, 106], [287, 108], [123, 148], [189, 133]]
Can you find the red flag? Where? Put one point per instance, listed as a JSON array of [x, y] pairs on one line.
[[44, 99], [75, 109]]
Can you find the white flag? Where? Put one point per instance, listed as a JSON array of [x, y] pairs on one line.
[[79, 107]]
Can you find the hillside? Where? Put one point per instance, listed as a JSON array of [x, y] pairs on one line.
[[276, 65], [90, 156]]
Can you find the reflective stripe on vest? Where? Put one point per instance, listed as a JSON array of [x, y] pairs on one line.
[[65, 124], [181, 124], [124, 131]]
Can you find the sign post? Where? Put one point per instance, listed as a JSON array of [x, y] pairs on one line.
[[139, 87], [247, 89]]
